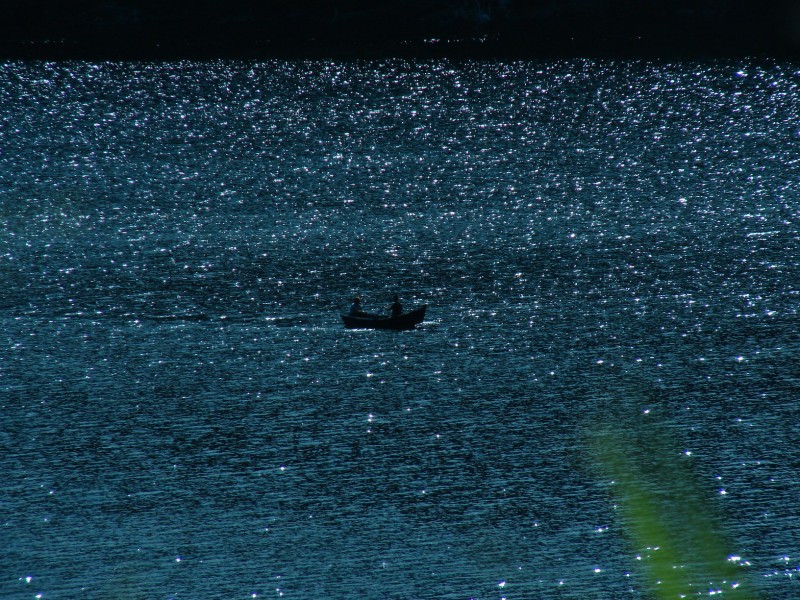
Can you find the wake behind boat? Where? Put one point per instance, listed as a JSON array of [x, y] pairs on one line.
[[401, 322]]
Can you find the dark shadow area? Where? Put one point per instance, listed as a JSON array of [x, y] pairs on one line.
[[150, 29]]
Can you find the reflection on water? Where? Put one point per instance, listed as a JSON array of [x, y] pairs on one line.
[[184, 415]]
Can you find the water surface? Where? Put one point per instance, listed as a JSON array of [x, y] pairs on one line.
[[183, 414]]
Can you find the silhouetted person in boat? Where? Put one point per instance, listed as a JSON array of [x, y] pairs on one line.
[[356, 310], [396, 308]]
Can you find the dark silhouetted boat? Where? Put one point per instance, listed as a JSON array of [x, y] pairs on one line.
[[407, 320]]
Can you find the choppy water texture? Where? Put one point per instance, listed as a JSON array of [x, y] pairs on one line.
[[184, 415]]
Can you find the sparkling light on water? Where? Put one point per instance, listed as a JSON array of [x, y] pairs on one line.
[[183, 414]]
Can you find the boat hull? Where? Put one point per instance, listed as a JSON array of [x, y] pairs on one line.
[[405, 321]]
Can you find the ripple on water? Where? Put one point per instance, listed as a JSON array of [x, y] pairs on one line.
[[599, 242]]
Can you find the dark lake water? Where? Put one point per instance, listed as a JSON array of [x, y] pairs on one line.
[[603, 246]]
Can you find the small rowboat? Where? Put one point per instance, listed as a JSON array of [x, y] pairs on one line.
[[405, 321]]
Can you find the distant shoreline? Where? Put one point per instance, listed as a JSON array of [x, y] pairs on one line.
[[379, 29], [477, 48]]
